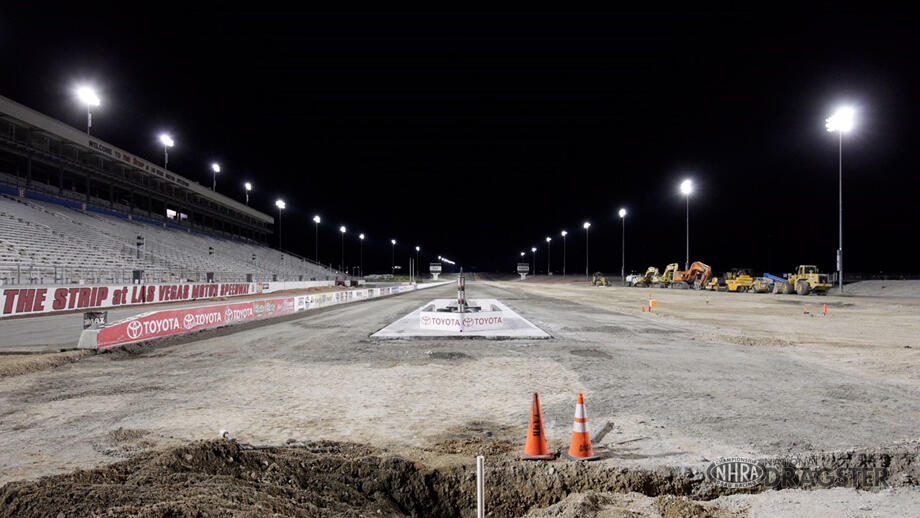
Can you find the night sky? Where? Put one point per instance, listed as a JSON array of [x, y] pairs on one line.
[[476, 135]]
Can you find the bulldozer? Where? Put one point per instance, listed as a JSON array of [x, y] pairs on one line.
[[696, 277], [806, 279], [600, 279]]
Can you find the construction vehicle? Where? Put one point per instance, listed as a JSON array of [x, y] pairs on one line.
[[667, 277], [762, 285], [739, 280], [644, 280], [696, 277], [806, 279], [600, 279]]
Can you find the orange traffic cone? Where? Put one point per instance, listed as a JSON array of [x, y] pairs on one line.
[[581, 440], [825, 310], [644, 309], [804, 310], [536, 448], [652, 303]]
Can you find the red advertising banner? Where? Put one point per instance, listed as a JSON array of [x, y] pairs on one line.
[[159, 324]]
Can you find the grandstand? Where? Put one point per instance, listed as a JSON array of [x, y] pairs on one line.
[[43, 242], [75, 209]]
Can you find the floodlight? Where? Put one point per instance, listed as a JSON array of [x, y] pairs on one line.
[[88, 96], [841, 120]]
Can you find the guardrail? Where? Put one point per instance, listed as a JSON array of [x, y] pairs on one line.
[[157, 325]]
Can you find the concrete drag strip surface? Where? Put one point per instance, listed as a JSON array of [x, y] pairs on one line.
[[675, 395]]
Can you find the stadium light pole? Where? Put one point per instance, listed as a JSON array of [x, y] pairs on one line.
[[549, 254], [417, 250], [342, 265], [564, 233], [88, 96], [316, 220], [361, 254], [686, 188], [393, 259], [167, 142], [215, 168], [533, 251], [622, 214], [586, 226], [247, 187], [281, 206], [841, 122]]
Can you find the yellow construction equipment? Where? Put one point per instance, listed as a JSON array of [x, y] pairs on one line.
[[667, 277], [645, 280], [739, 280], [600, 280], [806, 279]]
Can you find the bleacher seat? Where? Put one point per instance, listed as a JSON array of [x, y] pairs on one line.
[[46, 243]]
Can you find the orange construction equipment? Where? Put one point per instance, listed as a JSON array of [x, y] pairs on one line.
[[696, 277], [581, 440], [536, 448]]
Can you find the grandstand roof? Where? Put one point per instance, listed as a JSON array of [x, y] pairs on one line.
[[12, 110]]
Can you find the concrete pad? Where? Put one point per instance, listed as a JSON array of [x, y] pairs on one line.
[[494, 321]]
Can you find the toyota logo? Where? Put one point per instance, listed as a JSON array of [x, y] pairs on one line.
[[134, 329], [189, 321], [229, 314], [425, 320]]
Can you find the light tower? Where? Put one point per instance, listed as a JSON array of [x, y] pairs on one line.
[[88, 97], [842, 121], [167, 142], [686, 188], [215, 168], [622, 214], [586, 226]]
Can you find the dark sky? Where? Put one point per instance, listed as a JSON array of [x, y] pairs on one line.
[[476, 135]]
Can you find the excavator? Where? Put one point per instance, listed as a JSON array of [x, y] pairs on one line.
[[695, 277], [645, 280], [665, 279]]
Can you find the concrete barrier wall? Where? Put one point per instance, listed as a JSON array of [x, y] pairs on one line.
[[54, 299], [172, 322]]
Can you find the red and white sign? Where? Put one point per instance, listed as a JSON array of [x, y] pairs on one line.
[[32, 301], [475, 321], [159, 324]]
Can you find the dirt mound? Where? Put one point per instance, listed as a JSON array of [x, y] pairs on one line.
[[222, 477], [890, 288], [16, 364]]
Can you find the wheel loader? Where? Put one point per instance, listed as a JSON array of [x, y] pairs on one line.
[[806, 280]]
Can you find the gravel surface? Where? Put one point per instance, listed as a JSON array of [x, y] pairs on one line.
[[707, 375]]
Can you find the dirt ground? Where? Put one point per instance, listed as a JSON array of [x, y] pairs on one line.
[[707, 375]]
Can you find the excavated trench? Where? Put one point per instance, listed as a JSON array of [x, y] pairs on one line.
[[215, 478]]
